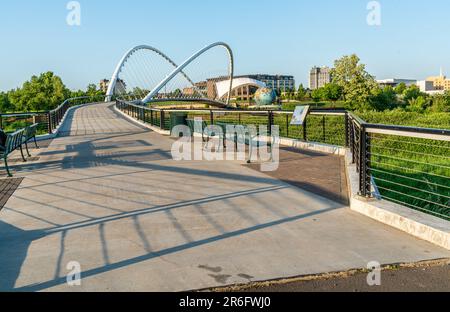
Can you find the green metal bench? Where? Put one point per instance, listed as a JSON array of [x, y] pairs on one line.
[[191, 125], [30, 134], [14, 141], [247, 138]]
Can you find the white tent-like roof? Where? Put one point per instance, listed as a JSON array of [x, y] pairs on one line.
[[223, 86]]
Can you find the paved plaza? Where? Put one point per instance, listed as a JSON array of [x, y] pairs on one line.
[[107, 194]]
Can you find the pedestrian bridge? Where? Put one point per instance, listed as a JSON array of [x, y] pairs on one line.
[[107, 195], [145, 75]]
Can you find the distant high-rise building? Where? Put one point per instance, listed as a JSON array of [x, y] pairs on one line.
[[318, 77]]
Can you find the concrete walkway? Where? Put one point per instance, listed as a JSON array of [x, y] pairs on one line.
[[108, 195]]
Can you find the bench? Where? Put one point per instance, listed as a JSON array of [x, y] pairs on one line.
[[14, 141], [246, 137], [30, 134], [191, 125]]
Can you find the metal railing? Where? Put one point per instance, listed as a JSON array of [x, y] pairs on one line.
[[48, 121], [322, 125], [405, 165]]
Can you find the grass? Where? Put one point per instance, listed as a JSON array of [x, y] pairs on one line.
[[13, 124], [410, 171], [414, 172], [290, 106], [402, 118]]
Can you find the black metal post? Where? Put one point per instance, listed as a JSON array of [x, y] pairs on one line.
[[347, 131], [49, 122], [271, 122], [324, 129], [364, 163], [352, 140], [305, 131], [211, 117], [161, 121], [287, 125], [368, 165]]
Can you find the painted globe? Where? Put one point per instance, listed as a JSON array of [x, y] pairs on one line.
[[265, 96]]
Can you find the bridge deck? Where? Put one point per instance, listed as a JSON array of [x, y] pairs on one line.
[[108, 195]]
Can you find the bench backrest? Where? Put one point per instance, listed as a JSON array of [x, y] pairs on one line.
[[30, 131], [14, 141], [191, 125]]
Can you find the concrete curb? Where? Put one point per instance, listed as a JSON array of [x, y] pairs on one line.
[[318, 147], [413, 222]]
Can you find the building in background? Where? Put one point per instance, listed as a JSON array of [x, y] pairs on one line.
[[121, 87], [428, 87], [244, 86], [201, 87], [394, 82], [318, 77], [280, 83], [440, 82]]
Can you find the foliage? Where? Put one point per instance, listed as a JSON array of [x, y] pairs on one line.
[[41, 93], [93, 91], [440, 103], [418, 104], [301, 92], [332, 92], [357, 84], [5, 104], [383, 99], [316, 95], [400, 88], [412, 93], [403, 118]]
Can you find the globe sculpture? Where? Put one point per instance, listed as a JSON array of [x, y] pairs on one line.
[[265, 97]]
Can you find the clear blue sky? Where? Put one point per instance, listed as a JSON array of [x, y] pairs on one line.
[[267, 36]]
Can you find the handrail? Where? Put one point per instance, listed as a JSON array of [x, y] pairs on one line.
[[54, 116], [433, 131], [72, 99], [23, 114], [341, 112]]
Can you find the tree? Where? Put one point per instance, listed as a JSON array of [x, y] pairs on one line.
[[78, 93], [93, 91], [41, 93], [357, 84], [301, 92], [441, 103], [412, 93], [5, 104], [316, 95], [384, 99], [418, 104], [331, 92], [400, 89]]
